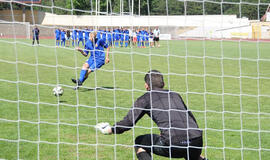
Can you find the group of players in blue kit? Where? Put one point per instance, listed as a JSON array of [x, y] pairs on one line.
[[94, 42], [117, 37]]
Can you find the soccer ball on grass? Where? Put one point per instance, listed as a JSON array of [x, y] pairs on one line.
[[58, 91]]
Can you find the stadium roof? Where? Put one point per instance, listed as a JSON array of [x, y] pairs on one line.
[[199, 20]]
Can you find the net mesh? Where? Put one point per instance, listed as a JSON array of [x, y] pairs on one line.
[[214, 53]]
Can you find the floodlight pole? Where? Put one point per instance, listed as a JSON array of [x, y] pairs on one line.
[[120, 8], [132, 8], [139, 7], [91, 4], [23, 13]]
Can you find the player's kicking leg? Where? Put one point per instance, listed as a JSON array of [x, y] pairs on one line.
[[85, 71]]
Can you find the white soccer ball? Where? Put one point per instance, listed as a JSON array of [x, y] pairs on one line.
[[58, 91]]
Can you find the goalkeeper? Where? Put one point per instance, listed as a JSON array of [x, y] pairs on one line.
[[96, 60], [180, 136], [35, 35]]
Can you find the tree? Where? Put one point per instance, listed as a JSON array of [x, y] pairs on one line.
[[156, 7]]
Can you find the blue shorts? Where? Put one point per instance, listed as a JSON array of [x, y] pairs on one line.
[[95, 64], [110, 42], [57, 38], [35, 37]]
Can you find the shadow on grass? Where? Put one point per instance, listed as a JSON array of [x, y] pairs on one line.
[[97, 88]]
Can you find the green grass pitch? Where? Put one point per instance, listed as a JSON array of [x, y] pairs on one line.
[[225, 84]]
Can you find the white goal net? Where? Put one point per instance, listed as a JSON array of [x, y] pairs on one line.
[[214, 53]]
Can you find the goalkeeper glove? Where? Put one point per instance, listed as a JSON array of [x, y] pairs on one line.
[[104, 128]]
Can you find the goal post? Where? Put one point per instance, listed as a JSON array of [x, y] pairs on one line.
[[22, 29]]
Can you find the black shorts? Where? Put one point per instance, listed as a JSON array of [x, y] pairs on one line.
[[156, 38], [154, 144]]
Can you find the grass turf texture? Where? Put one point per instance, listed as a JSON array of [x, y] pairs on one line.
[[217, 80]]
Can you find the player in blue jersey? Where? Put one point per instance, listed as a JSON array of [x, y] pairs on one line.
[[117, 37], [74, 37], [80, 37], [121, 36], [139, 38], [96, 60], [57, 36], [104, 35], [143, 38], [86, 34], [109, 37], [113, 37], [63, 37], [126, 36], [98, 34]]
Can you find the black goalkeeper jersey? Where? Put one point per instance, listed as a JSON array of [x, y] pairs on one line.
[[168, 111]]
